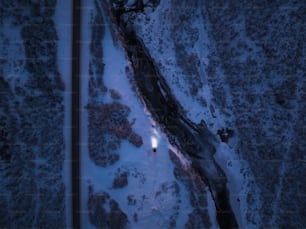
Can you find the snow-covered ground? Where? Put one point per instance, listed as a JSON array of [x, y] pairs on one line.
[[163, 30], [149, 172], [156, 167], [159, 41], [62, 18], [211, 210], [234, 167]]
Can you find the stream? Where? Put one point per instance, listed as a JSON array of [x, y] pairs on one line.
[[197, 142]]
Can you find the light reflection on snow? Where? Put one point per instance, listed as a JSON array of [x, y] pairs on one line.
[[154, 142], [154, 139]]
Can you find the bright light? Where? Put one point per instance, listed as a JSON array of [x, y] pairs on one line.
[[154, 142]]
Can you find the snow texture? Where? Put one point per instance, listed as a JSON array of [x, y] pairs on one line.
[[141, 182], [32, 118], [240, 68]]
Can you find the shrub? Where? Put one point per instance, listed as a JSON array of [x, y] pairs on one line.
[[121, 180]]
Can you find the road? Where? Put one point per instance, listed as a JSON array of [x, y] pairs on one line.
[[75, 114]]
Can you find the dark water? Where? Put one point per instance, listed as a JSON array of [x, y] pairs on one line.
[[197, 142]]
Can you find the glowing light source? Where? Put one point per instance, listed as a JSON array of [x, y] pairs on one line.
[[154, 142]]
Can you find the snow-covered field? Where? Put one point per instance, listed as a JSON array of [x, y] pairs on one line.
[[177, 38], [150, 180], [239, 66], [160, 38], [235, 68]]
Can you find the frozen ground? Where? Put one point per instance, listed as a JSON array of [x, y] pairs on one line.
[[151, 182], [239, 67], [191, 88], [236, 68], [167, 41]]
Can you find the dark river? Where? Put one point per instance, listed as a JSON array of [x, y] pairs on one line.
[[195, 141]]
